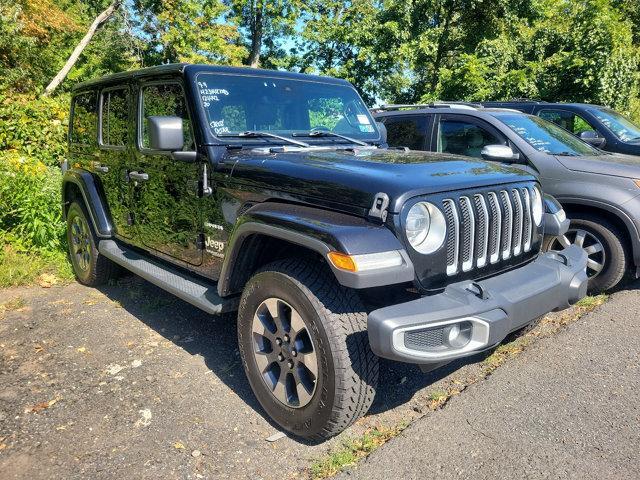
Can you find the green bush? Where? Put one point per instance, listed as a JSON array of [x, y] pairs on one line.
[[30, 213], [32, 145], [34, 127]]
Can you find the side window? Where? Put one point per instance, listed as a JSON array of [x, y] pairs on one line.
[[85, 119], [567, 120], [165, 100], [464, 138], [406, 131], [115, 117]]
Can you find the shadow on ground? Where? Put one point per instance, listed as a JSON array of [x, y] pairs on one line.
[[214, 339]]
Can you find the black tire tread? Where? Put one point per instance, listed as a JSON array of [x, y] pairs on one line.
[[102, 269], [343, 316], [614, 272]]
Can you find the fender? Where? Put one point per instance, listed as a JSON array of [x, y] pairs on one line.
[[620, 214], [321, 231], [93, 200]]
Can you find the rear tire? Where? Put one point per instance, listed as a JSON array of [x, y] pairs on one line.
[[605, 246], [322, 320], [90, 267]]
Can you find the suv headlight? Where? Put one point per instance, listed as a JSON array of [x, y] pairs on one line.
[[425, 227], [537, 208]]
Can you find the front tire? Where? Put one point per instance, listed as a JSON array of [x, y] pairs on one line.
[[305, 350], [608, 259], [90, 267]]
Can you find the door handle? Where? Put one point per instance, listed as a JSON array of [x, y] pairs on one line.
[[139, 176], [100, 168]]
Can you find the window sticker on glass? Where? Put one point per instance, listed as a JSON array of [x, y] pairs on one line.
[[218, 126], [209, 95], [363, 119]]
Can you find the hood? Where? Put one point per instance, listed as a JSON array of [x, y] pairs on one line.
[[354, 177], [617, 165]]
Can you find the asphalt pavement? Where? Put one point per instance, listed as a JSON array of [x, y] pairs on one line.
[[566, 408]]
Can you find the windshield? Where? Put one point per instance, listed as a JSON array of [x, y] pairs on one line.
[[620, 126], [292, 108], [545, 136]]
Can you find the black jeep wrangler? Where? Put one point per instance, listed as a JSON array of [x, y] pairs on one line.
[[274, 194]]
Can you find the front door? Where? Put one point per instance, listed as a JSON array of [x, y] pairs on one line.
[[166, 197], [465, 135]]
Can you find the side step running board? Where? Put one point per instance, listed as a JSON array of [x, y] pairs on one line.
[[188, 288]]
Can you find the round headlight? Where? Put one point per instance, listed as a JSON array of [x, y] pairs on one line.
[[537, 209], [425, 227]]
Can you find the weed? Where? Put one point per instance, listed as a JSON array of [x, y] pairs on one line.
[[352, 450]]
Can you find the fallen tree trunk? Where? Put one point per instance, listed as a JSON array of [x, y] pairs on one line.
[[73, 58]]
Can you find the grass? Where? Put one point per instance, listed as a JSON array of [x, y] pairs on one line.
[[352, 450], [20, 268]]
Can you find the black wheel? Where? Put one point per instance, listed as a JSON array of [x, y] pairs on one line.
[[604, 244], [89, 266], [305, 350]]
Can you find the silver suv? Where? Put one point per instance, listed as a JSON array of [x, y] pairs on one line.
[[600, 191]]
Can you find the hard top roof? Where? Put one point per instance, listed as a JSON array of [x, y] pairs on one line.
[[189, 69]]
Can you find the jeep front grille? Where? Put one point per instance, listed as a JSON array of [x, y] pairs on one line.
[[485, 228]]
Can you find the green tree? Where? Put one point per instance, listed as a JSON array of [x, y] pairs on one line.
[[264, 26], [187, 31], [349, 40]]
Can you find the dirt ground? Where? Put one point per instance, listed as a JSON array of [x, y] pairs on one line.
[[128, 381]]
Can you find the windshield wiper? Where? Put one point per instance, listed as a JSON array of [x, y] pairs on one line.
[[566, 154], [259, 134], [324, 133]]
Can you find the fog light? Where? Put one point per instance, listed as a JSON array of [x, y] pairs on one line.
[[458, 335]]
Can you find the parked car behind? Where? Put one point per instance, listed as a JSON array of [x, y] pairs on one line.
[[599, 126], [599, 191], [274, 194]]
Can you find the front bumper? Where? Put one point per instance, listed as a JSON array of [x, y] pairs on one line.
[[486, 311]]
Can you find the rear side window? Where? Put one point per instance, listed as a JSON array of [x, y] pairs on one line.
[[406, 131], [115, 117], [165, 100], [84, 124]]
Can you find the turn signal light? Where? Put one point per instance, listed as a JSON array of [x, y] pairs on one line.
[[342, 261]]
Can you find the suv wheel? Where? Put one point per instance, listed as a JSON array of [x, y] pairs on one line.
[[305, 350], [89, 266], [603, 243]]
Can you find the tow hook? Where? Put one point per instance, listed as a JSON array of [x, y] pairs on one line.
[[379, 208]]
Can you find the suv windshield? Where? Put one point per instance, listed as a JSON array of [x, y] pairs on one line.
[[287, 107], [619, 125], [545, 136]]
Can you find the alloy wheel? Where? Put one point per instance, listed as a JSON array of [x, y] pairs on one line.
[[589, 243], [81, 243], [284, 353]]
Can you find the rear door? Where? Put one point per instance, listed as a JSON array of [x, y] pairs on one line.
[[167, 205], [115, 139], [407, 131]]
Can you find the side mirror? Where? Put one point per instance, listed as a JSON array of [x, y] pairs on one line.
[[592, 138], [165, 133], [499, 153], [383, 132]]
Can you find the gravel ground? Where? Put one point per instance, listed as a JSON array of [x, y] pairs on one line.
[[566, 408], [128, 381]]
